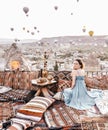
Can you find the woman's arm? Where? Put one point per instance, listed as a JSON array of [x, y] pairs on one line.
[[73, 74]]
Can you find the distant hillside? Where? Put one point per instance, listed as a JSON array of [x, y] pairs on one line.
[[6, 41], [75, 39], [60, 39], [10, 41]]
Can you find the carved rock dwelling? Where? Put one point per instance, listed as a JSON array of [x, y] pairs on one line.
[[14, 57]]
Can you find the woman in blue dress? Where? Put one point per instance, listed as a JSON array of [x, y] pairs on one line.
[[78, 96]]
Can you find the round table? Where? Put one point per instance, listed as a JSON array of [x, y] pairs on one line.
[[44, 87]]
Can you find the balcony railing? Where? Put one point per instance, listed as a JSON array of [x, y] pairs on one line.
[[96, 73]]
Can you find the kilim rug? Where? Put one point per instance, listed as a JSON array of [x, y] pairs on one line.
[[94, 126], [61, 116], [91, 126], [6, 111], [17, 95]]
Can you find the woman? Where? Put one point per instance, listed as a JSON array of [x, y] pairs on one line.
[[77, 96]]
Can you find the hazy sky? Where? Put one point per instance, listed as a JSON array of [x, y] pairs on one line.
[[68, 19]]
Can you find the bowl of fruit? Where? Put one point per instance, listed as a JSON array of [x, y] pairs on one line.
[[50, 77], [42, 80]]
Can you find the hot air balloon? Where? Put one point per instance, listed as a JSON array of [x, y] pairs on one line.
[[23, 28], [26, 10], [84, 29], [55, 7], [12, 29], [35, 27], [15, 39], [91, 33], [28, 31], [71, 13], [32, 33]]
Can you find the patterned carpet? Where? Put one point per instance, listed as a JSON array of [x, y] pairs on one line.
[[57, 117], [60, 116], [6, 111]]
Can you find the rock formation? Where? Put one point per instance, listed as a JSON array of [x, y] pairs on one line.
[[14, 54]]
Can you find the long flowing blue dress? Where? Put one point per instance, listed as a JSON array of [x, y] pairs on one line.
[[79, 97]]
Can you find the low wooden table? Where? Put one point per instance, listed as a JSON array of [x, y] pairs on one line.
[[44, 87]]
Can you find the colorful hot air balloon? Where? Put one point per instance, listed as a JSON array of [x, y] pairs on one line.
[[26, 10], [91, 33]]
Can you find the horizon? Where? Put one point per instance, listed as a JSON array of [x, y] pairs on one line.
[[60, 39], [57, 37]]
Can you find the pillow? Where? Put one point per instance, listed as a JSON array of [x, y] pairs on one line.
[[62, 84], [97, 82], [20, 124], [4, 89], [104, 82], [92, 82], [58, 96], [35, 108], [102, 105]]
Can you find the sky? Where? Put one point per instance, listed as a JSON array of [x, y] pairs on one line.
[[44, 20]]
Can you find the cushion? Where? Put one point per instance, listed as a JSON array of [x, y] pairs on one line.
[[103, 82], [20, 124], [92, 82], [97, 82], [62, 84], [4, 89], [35, 108]]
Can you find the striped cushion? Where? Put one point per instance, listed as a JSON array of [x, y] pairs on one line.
[[35, 108], [20, 124]]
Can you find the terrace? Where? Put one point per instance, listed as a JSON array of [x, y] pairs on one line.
[[22, 94]]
